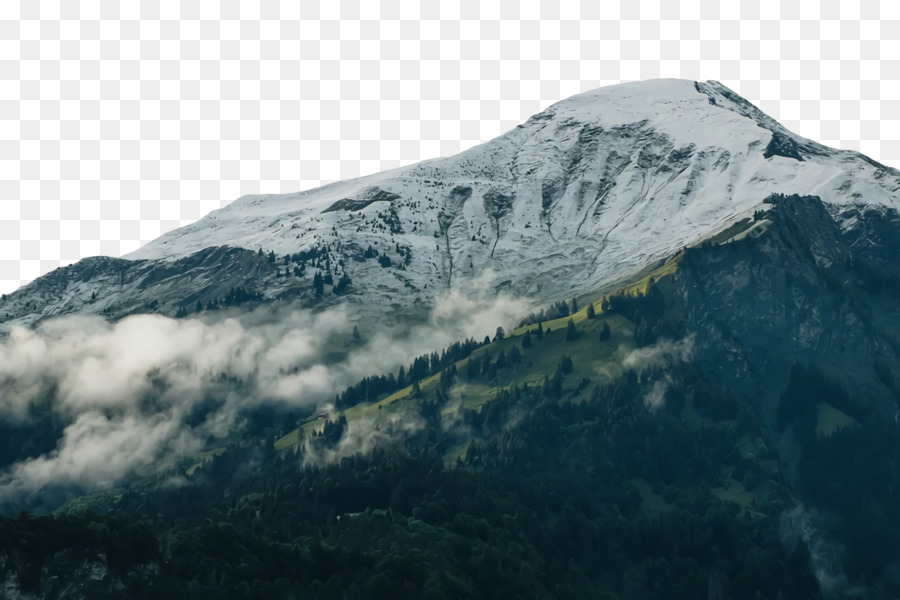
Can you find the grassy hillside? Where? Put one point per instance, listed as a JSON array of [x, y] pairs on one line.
[[595, 362]]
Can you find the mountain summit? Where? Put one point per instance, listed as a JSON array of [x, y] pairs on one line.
[[711, 412], [580, 196]]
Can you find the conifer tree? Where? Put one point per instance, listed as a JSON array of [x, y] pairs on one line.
[[590, 311], [514, 355], [605, 333], [473, 369], [571, 331]]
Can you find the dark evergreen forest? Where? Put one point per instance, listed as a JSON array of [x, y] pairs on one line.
[[602, 498]]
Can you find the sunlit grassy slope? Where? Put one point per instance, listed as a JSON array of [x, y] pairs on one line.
[[829, 419], [595, 361]]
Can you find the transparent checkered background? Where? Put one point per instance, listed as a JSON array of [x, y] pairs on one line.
[[121, 121]]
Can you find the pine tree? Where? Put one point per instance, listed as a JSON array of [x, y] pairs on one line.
[[514, 355], [590, 311], [526, 339], [318, 284], [343, 285], [486, 363], [473, 369], [540, 331], [605, 333], [556, 384], [571, 332], [445, 379], [574, 308], [356, 335], [416, 390], [199, 306]]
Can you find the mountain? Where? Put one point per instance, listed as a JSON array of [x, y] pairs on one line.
[[580, 196], [697, 394]]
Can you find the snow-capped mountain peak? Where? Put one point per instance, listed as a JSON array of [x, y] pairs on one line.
[[584, 193], [596, 184]]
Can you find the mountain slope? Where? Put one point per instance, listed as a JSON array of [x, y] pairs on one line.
[[703, 446], [720, 419], [578, 197]]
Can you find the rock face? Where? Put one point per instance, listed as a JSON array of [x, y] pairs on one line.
[[579, 196], [793, 285], [115, 287]]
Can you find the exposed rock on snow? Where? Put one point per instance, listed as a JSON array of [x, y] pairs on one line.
[[582, 194]]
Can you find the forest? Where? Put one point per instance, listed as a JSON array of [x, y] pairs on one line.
[[600, 498], [653, 482]]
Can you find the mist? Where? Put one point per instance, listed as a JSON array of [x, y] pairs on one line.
[[662, 352], [149, 390]]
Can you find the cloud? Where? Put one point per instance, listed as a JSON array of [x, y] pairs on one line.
[[128, 389], [656, 397], [660, 353], [100, 450], [801, 525]]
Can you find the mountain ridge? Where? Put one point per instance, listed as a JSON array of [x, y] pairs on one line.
[[722, 425], [580, 196]]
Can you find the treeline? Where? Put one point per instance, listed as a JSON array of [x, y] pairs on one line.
[[235, 297], [370, 388], [849, 472], [557, 310], [651, 304], [54, 556], [547, 503], [405, 253]]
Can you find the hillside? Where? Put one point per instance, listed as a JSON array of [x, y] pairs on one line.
[[645, 345], [634, 438]]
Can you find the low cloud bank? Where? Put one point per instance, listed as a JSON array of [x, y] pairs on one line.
[[660, 353], [127, 390]]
